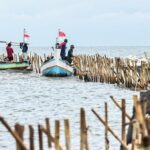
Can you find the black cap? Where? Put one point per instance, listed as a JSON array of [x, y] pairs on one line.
[[65, 40], [9, 44], [72, 46]]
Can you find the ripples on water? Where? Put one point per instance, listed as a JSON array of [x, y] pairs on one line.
[[29, 98]]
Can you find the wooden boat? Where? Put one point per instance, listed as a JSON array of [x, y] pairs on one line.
[[56, 67], [14, 65]]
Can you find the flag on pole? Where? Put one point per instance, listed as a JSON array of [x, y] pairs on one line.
[[26, 36], [62, 34]]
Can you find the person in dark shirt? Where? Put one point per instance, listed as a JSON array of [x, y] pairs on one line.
[[10, 52], [24, 48], [63, 49], [70, 54]]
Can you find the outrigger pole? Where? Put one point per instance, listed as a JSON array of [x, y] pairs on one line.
[[14, 43], [3, 42]]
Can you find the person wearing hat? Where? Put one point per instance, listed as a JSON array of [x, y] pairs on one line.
[[70, 54]]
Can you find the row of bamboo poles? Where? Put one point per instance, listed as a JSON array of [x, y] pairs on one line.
[[121, 71], [140, 132]]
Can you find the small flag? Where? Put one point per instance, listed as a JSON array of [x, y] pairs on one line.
[[62, 34], [26, 35]]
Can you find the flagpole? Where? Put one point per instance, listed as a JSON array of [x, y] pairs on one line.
[[58, 39], [23, 35]]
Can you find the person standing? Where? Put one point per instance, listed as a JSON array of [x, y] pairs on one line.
[[70, 54], [24, 48], [63, 49], [10, 52]]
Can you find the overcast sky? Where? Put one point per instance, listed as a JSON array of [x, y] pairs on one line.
[[86, 22]]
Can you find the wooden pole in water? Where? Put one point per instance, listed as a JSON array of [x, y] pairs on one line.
[[67, 134], [13, 133], [106, 128], [19, 130], [133, 136], [83, 131], [139, 115], [31, 137], [48, 132], [40, 137], [123, 130], [57, 134], [110, 130]]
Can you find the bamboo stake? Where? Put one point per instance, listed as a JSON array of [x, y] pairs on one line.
[[19, 130], [31, 137], [106, 128], [67, 134], [133, 136], [57, 134], [123, 131], [139, 115], [83, 131], [48, 132], [40, 137]]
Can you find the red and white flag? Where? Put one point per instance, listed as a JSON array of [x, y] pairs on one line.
[[27, 36], [61, 34]]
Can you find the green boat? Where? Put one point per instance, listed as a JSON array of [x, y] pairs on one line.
[[14, 65]]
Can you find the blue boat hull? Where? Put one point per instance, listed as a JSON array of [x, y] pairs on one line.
[[57, 71]]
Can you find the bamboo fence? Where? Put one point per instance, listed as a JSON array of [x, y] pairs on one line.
[[121, 71], [140, 129]]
